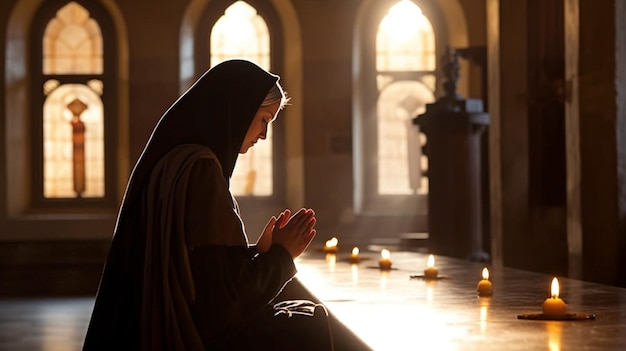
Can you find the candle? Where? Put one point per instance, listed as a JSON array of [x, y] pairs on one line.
[[354, 256], [385, 260], [331, 245], [484, 286], [554, 306], [430, 272]]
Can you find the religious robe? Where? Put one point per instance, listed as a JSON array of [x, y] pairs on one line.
[[212, 273], [203, 286], [180, 274]]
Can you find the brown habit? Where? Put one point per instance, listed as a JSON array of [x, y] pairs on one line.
[[180, 274]]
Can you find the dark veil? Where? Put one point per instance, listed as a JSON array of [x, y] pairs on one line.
[[215, 112]]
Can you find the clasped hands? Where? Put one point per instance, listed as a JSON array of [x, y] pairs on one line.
[[294, 233]]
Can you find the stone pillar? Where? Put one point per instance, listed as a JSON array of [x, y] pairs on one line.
[[453, 127]]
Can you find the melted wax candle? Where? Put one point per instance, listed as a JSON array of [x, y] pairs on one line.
[[484, 286], [331, 245], [354, 256], [430, 272], [385, 260], [554, 306]]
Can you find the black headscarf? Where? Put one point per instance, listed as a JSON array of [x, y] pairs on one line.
[[215, 112]]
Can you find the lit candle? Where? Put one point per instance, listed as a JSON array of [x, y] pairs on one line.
[[354, 256], [331, 245], [385, 259], [554, 306], [430, 272], [484, 286]]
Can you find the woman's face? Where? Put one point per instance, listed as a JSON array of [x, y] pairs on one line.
[[258, 128]]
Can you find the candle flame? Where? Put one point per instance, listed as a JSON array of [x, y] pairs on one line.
[[554, 289], [431, 261], [332, 242], [485, 273], [355, 251], [384, 253]]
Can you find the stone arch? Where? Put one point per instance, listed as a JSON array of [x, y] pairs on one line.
[[450, 26], [292, 82]]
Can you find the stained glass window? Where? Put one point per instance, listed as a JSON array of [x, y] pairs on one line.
[[72, 43], [73, 114]]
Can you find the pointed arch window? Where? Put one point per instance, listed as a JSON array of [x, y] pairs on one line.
[[74, 133], [240, 32], [403, 83]]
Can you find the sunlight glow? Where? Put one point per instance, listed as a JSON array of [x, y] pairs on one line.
[[405, 43], [73, 143], [72, 43], [402, 166], [57, 135], [242, 33], [402, 20], [405, 40]]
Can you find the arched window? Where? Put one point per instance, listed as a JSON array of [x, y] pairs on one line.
[[242, 33], [243, 29], [73, 114], [403, 58]]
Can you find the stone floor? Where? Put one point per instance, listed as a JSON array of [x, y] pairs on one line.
[[44, 324], [391, 310], [388, 310]]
